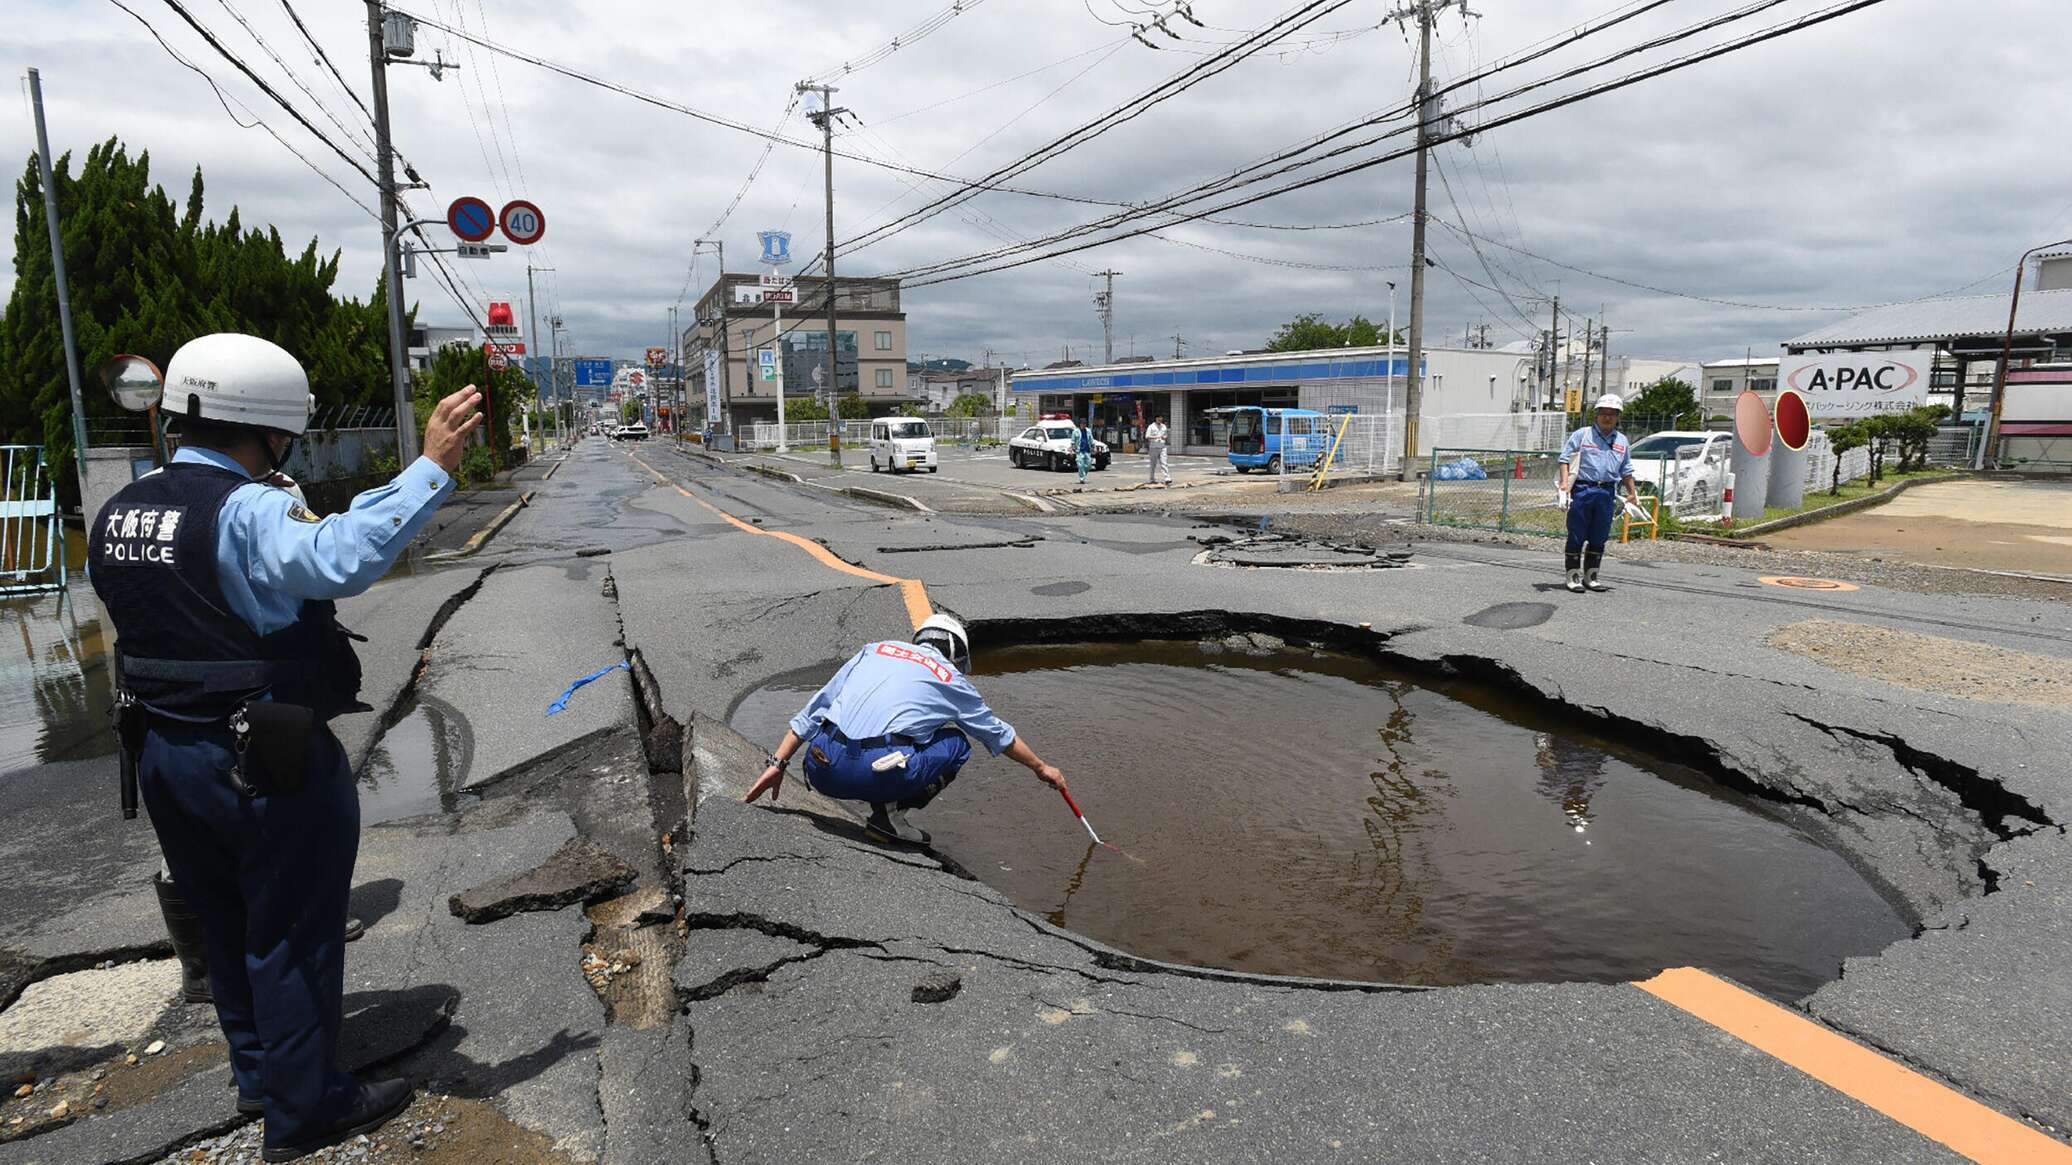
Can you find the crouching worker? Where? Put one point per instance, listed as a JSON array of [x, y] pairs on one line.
[[889, 729]]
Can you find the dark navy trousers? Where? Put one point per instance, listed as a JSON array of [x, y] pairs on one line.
[[269, 876], [1590, 512], [846, 773]]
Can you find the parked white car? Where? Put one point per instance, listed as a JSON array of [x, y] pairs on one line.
[[902, 443], [637, 431], [1696, 468], [1050, 446]]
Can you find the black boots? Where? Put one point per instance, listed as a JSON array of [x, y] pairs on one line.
[[184, 925], [1572, 563]]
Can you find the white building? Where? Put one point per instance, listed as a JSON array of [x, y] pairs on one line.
[[1459, 382]]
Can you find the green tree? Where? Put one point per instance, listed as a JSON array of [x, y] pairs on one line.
[[970, 404], [456, 366], [852, 407], [1311, 331], [146, 274], [1843, 438], [1667, 398], [804, 410]]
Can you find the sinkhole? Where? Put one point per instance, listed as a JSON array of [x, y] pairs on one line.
[[1298, 811]]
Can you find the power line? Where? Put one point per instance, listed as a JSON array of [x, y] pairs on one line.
[[1128, 111], [1167, 206], [359, 141], [265, 88], [256, 123], [325, 58], [957, 8], [1231, 180], [575, 74]]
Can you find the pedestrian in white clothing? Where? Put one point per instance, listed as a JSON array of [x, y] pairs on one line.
[[1155, 442]]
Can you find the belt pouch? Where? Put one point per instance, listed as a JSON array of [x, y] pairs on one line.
[[279, 745]]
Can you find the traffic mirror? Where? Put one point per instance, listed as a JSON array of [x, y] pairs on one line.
[[134, 382]]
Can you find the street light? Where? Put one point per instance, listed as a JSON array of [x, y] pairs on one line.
[[1989, 453]]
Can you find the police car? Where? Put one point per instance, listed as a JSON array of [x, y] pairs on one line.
[[1050, 445]]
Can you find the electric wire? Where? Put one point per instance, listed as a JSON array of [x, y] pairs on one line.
[[939, 272], [324, 58], [903, 40], [1128, 111], [658, 102], [360, 140], [257, 122]]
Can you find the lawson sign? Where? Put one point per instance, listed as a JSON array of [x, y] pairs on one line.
[[1859, 384]]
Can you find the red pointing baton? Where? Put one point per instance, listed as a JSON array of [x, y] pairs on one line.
[[1081, 816]]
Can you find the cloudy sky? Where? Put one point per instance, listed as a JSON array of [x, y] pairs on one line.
[[1904, 150]]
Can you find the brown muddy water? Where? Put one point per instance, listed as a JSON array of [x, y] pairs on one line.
[[1306, 812]]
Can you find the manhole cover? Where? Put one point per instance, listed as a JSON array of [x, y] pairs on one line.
[[1809, 584]]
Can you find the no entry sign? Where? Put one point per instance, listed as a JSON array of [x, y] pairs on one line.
[[470, 218], [523, 222]]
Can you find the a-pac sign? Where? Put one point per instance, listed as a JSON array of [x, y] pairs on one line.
[[1859, 384]]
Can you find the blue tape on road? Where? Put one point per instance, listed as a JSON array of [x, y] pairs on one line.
[[561, 703]]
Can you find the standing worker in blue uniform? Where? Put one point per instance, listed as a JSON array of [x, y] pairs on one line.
[[1083, 449], [1595, 462], [231, 662], [890, 727]]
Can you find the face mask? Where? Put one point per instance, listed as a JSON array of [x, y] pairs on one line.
[[281, 459]]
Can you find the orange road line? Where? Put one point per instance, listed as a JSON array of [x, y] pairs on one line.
[[1934, 1110], [911, 590]]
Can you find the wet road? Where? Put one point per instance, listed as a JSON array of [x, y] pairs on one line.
[[1307, 813]]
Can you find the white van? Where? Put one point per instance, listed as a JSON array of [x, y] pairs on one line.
[[902, 443]]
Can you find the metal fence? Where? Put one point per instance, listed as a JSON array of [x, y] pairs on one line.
[[1344, 446], [1528, 431], [1507, 489], [32, 540]]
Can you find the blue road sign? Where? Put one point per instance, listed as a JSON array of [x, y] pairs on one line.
[[470, 218], [1340, 410], [776, 247], [593, 373]]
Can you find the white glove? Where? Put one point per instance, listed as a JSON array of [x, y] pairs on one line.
[[1636, 513], [1561, 499]]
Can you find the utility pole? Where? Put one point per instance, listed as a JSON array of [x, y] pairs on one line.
[[1413, 398], [532, 331], [1604, 360], [1554, 385], [57, 269], [1179, 345], [826, 120], [385, 158], [1104, 307], [1589, 334]]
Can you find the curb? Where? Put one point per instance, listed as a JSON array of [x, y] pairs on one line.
[[1840, 508], [773, 473], [480, 538], [883, 497]]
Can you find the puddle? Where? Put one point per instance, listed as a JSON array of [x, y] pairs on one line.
[[1314, 813], [55, 684], [419, 764]]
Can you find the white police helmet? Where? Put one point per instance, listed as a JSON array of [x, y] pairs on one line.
[[947, 636], [234, 379], [1611, 401]]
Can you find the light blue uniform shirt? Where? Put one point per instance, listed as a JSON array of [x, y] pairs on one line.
[[904, 689], [1603, 458], [269, 560]]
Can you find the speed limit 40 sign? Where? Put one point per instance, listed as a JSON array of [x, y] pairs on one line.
[[522, 222]]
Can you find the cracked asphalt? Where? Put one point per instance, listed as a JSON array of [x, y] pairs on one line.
[[828, 998]]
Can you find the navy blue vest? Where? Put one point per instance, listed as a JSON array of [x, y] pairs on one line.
[[180, 649]]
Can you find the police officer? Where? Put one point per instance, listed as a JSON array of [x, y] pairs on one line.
[[231, 661], [889, 729], [1594, 463]]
